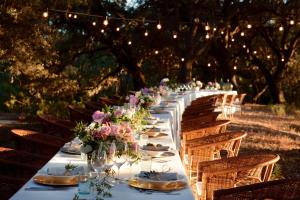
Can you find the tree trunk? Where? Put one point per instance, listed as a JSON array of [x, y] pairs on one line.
[[186, 71], [276, 92]]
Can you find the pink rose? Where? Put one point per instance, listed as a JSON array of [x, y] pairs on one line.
[[133, 100], [98, 116], [105, 130], [115, 129], [118, 113]]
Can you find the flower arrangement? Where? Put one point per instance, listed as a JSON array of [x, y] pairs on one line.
[[108, 126], [213, 86], [141, 98]]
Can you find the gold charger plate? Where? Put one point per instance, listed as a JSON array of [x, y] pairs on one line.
[[154, 185], [56, 180]]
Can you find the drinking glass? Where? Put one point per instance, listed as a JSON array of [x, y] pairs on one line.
[[143, 140], [119, 161]]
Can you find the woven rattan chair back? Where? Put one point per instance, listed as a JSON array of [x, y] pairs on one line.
[[234, 171], [198, 121], [284, 189]]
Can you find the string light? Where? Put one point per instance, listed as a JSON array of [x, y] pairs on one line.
[[156, 52], [174, 36], [69, 15], [75, 16], [207, 27], [129, 43], [214, 29], [282, 59], [94, 23], [146, 33], [222, 32], [105, 22], [232, 39], [244, 46], [235, 67], [182, 59], [281, 28], [268, 56], [118, 29], [254, 52], [249, 26], [45, 14], [207, 36], [102, 30], [292, 22], [242, 34], [158, 26], [208, 64]]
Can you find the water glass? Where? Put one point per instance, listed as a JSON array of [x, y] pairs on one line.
[[146, 162], [143, 139], [83, 184]]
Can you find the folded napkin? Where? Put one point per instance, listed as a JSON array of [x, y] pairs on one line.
[[61, 171], [159, 176]]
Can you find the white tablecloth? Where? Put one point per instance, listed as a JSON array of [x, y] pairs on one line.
[[171, 126]]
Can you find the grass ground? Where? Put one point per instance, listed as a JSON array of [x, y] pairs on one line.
[[271, 130]]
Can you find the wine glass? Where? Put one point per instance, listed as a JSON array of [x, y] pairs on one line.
[[98, 161], [119, 161]]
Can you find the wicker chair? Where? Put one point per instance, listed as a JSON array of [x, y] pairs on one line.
[[231, 172], [207, 100], [35, 142], [10, 185], [211, 148], [57, 127], [238, 101], [80, 114], [198, 120], [228, 107], [287, 189], [211, 128], [19, 164]]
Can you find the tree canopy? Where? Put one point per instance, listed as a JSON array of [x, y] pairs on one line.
[[70, 55]]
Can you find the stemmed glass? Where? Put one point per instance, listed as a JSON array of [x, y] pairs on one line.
[[120, 161], [98, 161]]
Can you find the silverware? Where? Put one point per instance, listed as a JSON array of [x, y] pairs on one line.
[[38, 188]]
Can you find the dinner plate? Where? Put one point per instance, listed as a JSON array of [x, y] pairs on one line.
[[155, 134], [56, 180], [159, 154], [155, 185]]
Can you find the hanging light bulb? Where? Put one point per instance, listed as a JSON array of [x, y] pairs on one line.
[[268, 56], [292, 22], [249, 26], [102, 30], [70, 15], [45, 14], [156, 52], [174, 36], [182, 59], [207, 27], [158, 26], [75, 16], [232, 40], [208, 64], [207, 36], [242, 34], [118, 29], [94, 23], [282, 59], [244, 46], [146, 33], [105, 22], [129, 42], [254, 52], [222, 32], [215, 29], [235, 67], [281, 28]]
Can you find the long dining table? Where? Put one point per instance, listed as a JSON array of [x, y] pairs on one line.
[[170, 119]]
